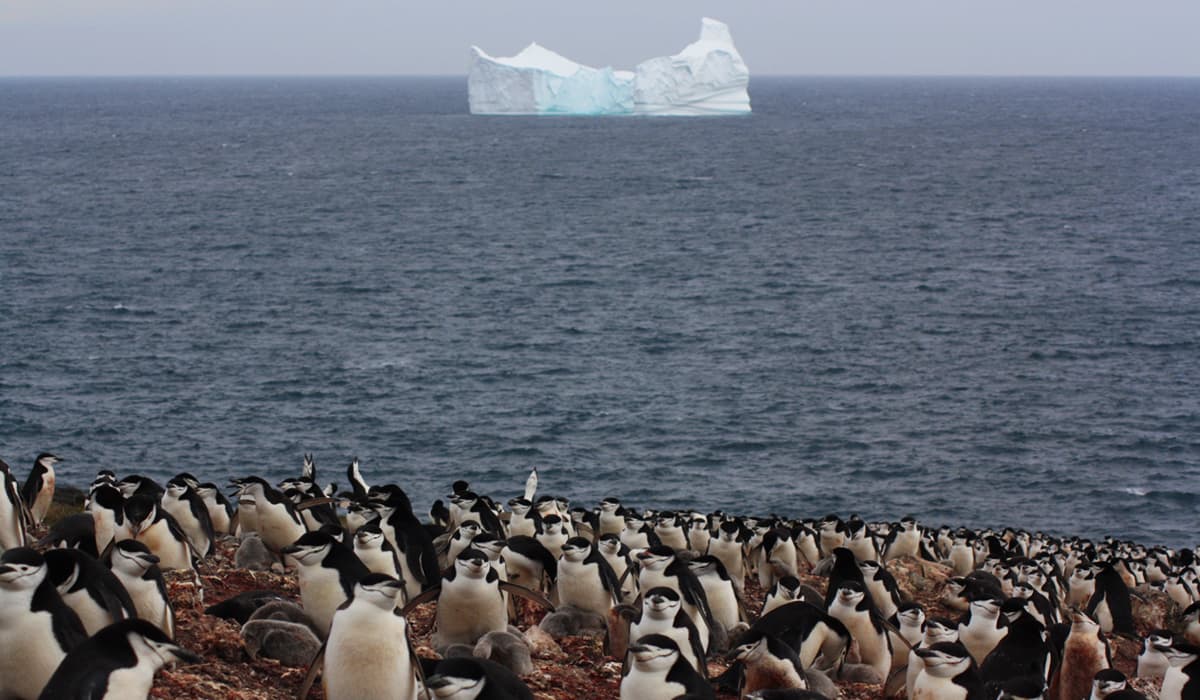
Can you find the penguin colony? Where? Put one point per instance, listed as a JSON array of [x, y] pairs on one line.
[[85, 611]]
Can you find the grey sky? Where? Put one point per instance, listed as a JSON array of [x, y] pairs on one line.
[[804, 37]]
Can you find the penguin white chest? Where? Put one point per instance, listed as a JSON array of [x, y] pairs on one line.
[[580, 585], [321, 593], [29, 652], [367, 657], [129, 683]]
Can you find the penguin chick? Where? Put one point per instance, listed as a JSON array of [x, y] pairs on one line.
[[118, 663], [241, 606], [507, 649], [289, 643]]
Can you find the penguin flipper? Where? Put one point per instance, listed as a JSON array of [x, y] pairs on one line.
[[423, 597], [519, 590], [314, 667]]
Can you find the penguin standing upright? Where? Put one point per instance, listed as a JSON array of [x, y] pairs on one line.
[[727, 546], [413, 545], [37, 629], [275, 518], [38, 491], [982, 631], [585, 579], [852, 607], [109, 524], [118, 663], [89, 588], [949, 673], [373, 549], [136, 567], [12, 511], [470, 602], [718, 590], [1182, 679], [662, 614], [1152, 661], [658, 672], [1084, 653], [368, 655], [660, 567], [1110, 604], [220, 510], [160, 532], [327, 571], [188, 508]]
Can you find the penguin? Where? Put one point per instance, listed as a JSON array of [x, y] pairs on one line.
[[412, 542], [470, 601], [982, 630], [612, 518], [373, 549], [1023, 651], [1110, 604], [472, 507], [1084, 653], [461, 539], [805, 539], [844, 568], [910, 633], [368, 654], [528, 563], [819, 639], [668, 526], [524, 520], [852, 607], [722, 597], [220, 510], [885, 592], [136, 567], [118, 663], [1190, 620], [937, 630], [903, 541], [469, 678], [1111, 683], [768, 663], [660, 567], [553, 534], [859, 540], [188, 509], [107, 506], [662, 614], [833, 534], [89, 588], [138, 485], [38, 492], [949, 674], [327, 571], [1182, 679], [698, 534], [777, 557], [657, 671], [76, 531], [617, 556], [638, 534], [37, 629], [12, 511], [275, 518], [728, 547], [785, 590], [160, 532], [585, 579], [1152, 662], [240, 607]]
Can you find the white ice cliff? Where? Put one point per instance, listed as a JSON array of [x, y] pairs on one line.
[[707, 77]]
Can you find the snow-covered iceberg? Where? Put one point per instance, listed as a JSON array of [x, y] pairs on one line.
[[707, 77]]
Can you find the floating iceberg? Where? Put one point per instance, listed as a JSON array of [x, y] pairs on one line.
[[707, 77]]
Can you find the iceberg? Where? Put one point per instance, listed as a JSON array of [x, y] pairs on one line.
[[708, 77]]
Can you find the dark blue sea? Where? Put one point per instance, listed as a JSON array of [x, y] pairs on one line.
[[972, 300]]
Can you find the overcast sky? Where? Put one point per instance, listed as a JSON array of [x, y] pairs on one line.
[[783, 37]]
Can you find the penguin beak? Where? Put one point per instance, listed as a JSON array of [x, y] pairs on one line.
[[185, 657]]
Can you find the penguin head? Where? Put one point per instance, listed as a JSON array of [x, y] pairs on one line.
[[47, 460], [1180, 654], [380, 590], [149, 644], [22, 569], [945, 659], [610, 505], [656, 558], [940, 629], [458, 678], [787, 588], [609, 544], [869, 568], [729, 531], [851, 593], [911, 614], [131, 557], [576, 549], [1156, 639], [753, 646], [708, 565], [468, 530], [519, 506], [368, 536], [661, 603], [654, 652], [176, 488], [1082, 623], [552, 525], [1106, 682], [142, 511], [989, 608], [489, 544], [310, 549], [472, 563]]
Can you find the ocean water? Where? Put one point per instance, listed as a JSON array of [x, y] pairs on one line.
[[972, 300]]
